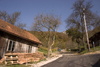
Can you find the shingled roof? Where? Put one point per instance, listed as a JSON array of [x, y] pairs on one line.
[[13, 30]]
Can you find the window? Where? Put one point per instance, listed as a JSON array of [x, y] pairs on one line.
[[29, 49], [11, 45]]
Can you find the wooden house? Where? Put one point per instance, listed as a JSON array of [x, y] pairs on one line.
[[95, 40], [16, 40]]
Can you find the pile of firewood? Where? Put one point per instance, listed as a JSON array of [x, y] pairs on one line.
[[28, 57], [1, 61]]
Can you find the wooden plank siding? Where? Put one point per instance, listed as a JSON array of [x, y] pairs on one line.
[[95, 39], [20, 45], [2, 44], [16, 40]]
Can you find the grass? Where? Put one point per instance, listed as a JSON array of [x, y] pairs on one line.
[[45, 50], [11, 65], [37, 61], [91, 50], [17, 65]]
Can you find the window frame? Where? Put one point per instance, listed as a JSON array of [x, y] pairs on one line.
[[12, 44]]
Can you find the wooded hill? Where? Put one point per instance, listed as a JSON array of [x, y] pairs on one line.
[[62, 40]]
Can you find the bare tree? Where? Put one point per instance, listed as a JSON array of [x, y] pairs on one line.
[[76, 18], [13, 18], [3, 15], [21, 25], [9, 18], [50, 23]]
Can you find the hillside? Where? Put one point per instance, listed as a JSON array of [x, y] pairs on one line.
[[62, 40]]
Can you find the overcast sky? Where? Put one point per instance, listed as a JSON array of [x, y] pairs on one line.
[[30, 8]]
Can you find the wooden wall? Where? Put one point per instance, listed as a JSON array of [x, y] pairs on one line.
[[2, 44], [95, 39], [21, 45]]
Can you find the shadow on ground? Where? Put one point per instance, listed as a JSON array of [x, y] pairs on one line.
[[97, 64], [91, 60], [66, 52]]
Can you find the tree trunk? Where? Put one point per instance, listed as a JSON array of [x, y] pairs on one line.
[[82, 30], [49, 42], [78, 42], [83, 43], [50, 46], [48, 52], [79, 47]]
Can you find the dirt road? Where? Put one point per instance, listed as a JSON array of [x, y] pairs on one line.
[[76, 61]]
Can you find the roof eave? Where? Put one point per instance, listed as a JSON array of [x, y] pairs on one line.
[[21, 36]]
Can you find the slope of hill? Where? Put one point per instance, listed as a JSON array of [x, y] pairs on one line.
[[62, 40]]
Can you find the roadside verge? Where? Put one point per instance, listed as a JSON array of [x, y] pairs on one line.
[[48, 60]]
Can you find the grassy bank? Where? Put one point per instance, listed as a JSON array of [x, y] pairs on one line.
[[17, 65], [91, 50], [45, 50]]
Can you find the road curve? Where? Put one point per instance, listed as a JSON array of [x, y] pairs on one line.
[[76, 61]]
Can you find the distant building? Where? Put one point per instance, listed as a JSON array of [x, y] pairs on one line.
[[14, 39], [95, 40], [64, 32]]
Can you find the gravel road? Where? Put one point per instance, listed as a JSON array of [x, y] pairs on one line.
[[76, 61]]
